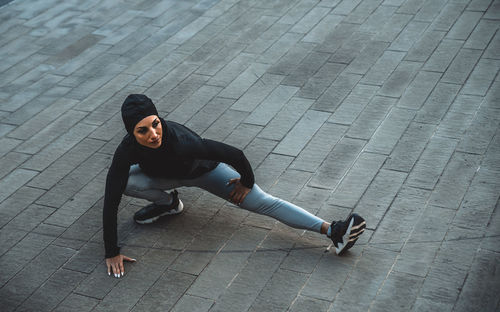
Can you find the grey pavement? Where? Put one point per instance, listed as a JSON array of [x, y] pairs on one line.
[[388, 108]]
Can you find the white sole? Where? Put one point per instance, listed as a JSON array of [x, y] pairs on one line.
[[347, 236], [179, 209]]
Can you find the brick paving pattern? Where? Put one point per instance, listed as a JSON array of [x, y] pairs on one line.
[[388, 108]]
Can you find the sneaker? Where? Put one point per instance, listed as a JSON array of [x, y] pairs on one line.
[[345, 233], [153, 212]]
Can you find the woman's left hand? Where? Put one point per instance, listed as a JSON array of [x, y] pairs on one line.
[[239, 192]]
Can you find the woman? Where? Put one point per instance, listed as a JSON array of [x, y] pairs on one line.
[[158, 155]]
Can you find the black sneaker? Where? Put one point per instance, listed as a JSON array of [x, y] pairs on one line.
[[345, 233], [152, 212]]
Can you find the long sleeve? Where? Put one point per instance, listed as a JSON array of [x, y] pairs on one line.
[[116, 181], [213, 150]]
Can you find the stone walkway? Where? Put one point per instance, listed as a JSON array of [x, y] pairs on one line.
[[387, 108]]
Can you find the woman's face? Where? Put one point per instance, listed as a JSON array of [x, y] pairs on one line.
[[148, 131]]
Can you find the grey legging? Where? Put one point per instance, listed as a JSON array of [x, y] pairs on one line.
[[143, 186]]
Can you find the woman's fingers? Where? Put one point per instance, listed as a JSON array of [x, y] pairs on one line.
[[116, 270], [129, 259], [109, 268], [122, 269]]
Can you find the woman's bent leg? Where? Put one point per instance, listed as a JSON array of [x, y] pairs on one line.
[[143, 186], [257, 200]]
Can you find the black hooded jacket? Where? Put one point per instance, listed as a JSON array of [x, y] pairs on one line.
[[182, 155]]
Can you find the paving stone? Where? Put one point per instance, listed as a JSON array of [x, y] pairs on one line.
[[367, 57], [398, 293], [422, 49], [74, 302], [378, 18], [390, 131], [477, 290], [291, 59], [475, 211], [271, 105], [351, 47], [232, 70], [323, 29], [478, 5], [301, 133], [418, 90], [13, 181], [172, 64], [33, 275], [168, 82], [318, 83], [30, 217], [382, 69], [137, 282], [271, 169], [215, 278], [370, 118], [405, 210], [336, 93], [364, 279], [313, 154], [362, 11], [285, 119], [337, 37], [193, 104], [493, 11], [257, 92], [180, 93], [432, 162], [456, 177], [489, 241], [30, 92], [242, 135], [410, 146], [74, 182], [379, 196], [479, 134], [251, 280], [482, 34], [462, 65], [408, 36], [244, 81], [437, 103], [306, 69], [193, 303], [10, 162], [336, 164], [225, 125], [165, 292], [443, 55], [253, 31], [22, 253], [208, 114], [354, 104], [447, 16], [416, 257], [57, 170], [303, 304], [448, 273], [392, 27], [399, 80], [57, 287], [357, 179], [464, 25], [293, 15], [481, 77], [307, 22], [280, 291]]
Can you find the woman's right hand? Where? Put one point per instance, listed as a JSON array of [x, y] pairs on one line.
[[115, 264]]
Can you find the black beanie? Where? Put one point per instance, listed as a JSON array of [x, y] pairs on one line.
[[135, 108]]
